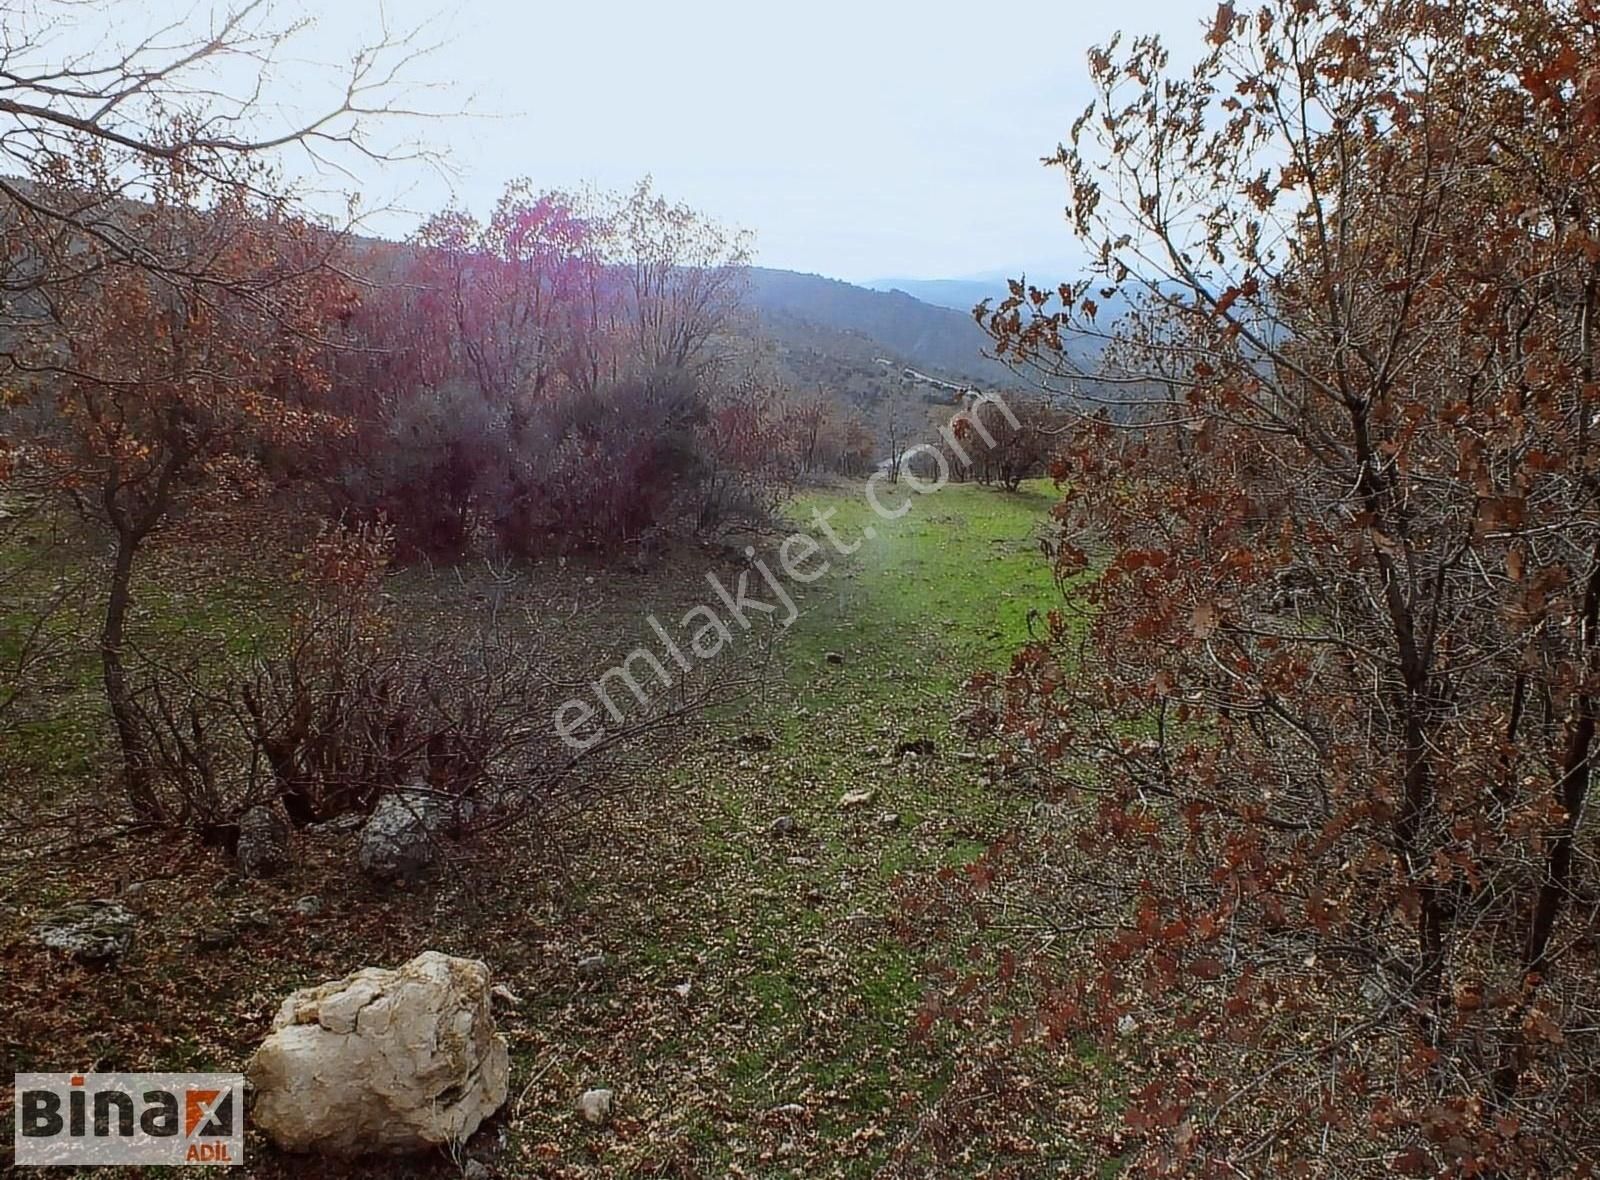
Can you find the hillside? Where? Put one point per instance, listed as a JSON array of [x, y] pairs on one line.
[[809, 312]]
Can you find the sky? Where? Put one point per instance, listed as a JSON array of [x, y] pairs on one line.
[[860, 139]]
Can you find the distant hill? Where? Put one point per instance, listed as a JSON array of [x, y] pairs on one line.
[[825, 315], [957, 294]]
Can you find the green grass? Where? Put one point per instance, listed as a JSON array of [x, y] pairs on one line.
[[800, 992], [186, 616]]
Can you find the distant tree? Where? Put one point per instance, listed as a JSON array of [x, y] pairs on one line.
[[1018, 446], [552, 377], [809, 419], [685, 279], [856, 446], [525, 292]]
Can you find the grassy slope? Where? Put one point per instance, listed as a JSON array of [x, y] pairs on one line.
[[798, 991]]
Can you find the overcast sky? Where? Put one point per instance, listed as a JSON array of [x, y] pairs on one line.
[[856, 138]]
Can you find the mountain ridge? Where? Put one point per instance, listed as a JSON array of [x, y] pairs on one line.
[[934, 338]]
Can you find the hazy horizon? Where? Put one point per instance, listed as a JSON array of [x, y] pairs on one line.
[[858, 142]]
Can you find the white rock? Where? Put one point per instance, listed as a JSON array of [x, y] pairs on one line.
[[857, 798], [400, 839], [382, 1061], [1127, 1025], [595, 1105], [98, 931]]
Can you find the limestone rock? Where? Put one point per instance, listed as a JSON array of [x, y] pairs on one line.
[[400, 839], [263, 848], [382, 1061], [861, 798], [595, 1105], [97, 932]]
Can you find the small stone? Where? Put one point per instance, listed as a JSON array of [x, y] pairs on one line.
[[343, 825], [1127, 1025], [784, 825], [501, 992], [683, 990], [890, 819], [921, 747], [135, 892], [790, 1110], [859, 798], [595, 1105], [476, 1170], [308, 906], [257, 920], [592, 965], [754, 742], [835, 658], [215, 938], [96, 932]]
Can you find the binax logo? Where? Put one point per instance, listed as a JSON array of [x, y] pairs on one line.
[[88, 1119]]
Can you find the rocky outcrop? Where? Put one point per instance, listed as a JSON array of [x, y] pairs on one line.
[[382, 1061]]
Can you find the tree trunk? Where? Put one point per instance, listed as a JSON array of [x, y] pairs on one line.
[[137, 774]]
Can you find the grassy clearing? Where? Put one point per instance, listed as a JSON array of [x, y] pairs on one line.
[[789, 1054]]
